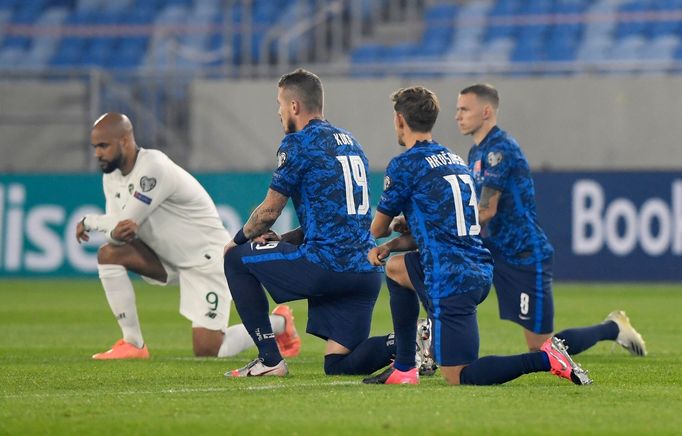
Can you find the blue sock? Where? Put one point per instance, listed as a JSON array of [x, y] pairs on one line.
[[578, 340], [372, 354], [405, 312], [495, 370], [252, 305]]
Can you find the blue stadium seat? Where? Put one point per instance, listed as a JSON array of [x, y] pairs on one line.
[[528, 51], [402, 52], [69, 52], [8, 4], [18, 42], [633, 25], [560, 50], [438, 30]]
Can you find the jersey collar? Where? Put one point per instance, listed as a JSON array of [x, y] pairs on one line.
[[493, 132], [424, 142], [313, 122]]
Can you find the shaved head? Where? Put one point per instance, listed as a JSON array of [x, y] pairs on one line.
[[114, 142], [114, 123]]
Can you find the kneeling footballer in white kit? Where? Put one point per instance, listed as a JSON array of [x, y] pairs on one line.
[[162, 224]]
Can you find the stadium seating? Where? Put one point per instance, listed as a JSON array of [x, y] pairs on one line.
[[192, 34], [547, 33]]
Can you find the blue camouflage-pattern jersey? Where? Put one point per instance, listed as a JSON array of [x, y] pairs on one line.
[[498, 163], [433, 188], [324, 171]]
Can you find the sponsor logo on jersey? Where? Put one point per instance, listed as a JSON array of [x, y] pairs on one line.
[[211, 315], [494, 158], [143, 198], [130, 188], [147, 183]]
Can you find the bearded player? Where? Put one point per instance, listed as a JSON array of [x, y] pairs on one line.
[[161, 224]]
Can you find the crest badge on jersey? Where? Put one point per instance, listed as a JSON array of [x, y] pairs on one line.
[[494, 158], [477, 168], [147, 183], [281, 158], [387, 182]]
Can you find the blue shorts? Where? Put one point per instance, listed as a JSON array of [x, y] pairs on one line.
[[340, 304], [454, 334], [524, 294]]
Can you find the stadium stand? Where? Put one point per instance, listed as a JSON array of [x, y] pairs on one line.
[[195, 34], [142, 57]]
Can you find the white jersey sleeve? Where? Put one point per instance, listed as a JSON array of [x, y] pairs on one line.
[[175, 215]]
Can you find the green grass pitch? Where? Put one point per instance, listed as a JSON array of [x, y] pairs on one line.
[[49, 385]]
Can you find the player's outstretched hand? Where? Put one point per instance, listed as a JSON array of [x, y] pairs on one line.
[[125, 231], [81, 233], [377, 256], [399, 224]]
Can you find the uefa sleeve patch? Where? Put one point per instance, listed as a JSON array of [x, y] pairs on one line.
[[143, 198], [147, 183], [494, 158], [281, 159]]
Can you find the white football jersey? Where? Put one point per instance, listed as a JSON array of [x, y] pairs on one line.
[[176, 216]]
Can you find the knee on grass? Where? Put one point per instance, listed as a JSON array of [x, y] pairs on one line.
[[205, 342]]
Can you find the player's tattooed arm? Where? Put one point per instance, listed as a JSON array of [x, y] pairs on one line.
[[265, 214], [487, 205]]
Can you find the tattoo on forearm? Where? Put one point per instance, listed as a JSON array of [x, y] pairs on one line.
[[260, 221]]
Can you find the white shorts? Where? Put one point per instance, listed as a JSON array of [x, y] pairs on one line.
[[204, 295]]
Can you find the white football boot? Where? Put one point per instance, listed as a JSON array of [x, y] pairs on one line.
[[256, 368], [424, 360], [628, 337]]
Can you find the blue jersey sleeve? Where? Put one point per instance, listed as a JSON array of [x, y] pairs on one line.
[[291, 164], [396, 190], [498, 167]]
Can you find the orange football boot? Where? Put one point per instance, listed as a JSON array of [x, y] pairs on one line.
[[289, 342], [123, 350]]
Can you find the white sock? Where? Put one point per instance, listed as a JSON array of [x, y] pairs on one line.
[[119, 291], [237, 339]]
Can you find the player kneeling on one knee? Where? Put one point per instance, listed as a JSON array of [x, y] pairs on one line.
[[162, 224], [446, 265]]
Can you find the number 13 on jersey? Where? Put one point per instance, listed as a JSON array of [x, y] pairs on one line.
[[454, 179], [354, 170]]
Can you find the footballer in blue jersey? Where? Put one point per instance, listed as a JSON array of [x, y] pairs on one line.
[[323, 169], [522, 252], [449, 270], [433, 189]]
